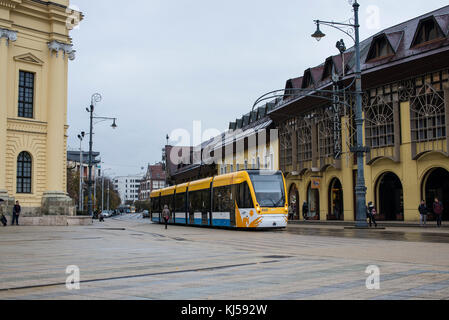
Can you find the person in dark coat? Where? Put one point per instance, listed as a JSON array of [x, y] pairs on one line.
[[371, 212], [305, 210], [423, 211], [438, 210], [16, 213]]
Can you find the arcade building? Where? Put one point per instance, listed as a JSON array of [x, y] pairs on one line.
[[405, 78]]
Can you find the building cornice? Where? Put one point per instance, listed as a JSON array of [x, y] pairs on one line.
[[11, 4], [49, 3]]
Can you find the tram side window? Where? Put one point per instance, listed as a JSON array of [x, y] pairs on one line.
[[205, 195], [195, 201], [180, 202], [223, 199], [167, 201], [244, 199], [155, 204]]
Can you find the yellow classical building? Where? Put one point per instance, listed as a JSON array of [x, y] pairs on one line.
[[405, 78], [35, 49]]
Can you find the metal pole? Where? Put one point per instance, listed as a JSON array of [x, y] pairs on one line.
[[360, 188], [89, 185], [102, 191], [81, 172], [109, 183], [95, 188]]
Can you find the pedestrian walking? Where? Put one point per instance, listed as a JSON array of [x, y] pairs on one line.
[[16, 213], [305, 210], [438, 210], [166, 215], [423, 211], [371, 211]]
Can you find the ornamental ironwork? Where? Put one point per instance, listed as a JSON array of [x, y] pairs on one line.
[[285, 144], [379, 116], [327, 132], [427, 110], [304, 138]]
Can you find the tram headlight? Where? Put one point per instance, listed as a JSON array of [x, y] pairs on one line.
[[286, 208], [258, 209]]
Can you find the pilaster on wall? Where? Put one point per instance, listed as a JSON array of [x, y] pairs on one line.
[[59, 52], [410, 183], [6, 38], [346, 167]]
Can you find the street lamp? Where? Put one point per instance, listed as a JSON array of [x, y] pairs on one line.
[[318, 35], [359, 150], [81, 171], [95, 99]]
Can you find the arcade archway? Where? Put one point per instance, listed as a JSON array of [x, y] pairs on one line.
[[336, 208], [390, 198], [313, 201], [436, 185], [293, 202]]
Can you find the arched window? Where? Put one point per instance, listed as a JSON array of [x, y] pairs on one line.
[[24, 173]]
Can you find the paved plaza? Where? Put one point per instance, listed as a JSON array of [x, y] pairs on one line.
[[131, 258]]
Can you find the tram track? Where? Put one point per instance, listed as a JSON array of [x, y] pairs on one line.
[[135, 276]]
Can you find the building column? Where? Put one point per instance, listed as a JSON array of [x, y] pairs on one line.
[[411, 186], [6, 37], [55, 200]]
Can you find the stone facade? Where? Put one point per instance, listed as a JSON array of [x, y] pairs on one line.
[[34, 40]]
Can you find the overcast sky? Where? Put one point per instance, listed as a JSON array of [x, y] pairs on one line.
[[161, 64]]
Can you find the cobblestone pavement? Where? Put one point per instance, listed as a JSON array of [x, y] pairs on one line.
[[131, 258]]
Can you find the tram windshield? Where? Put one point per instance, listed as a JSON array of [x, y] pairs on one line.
[[269, 189]]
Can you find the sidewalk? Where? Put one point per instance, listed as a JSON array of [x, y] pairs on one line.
[[389, 224]]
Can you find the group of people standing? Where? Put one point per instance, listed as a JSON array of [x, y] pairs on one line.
[[438, 210], [16, 211]]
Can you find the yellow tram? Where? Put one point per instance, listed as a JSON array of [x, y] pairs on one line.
[[247, 199]]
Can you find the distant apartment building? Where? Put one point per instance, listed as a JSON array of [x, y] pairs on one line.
[[128, 187], [153, 180]]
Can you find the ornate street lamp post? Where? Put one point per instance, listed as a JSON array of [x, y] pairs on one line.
[[359, 150], [80, 202], [95, 99]]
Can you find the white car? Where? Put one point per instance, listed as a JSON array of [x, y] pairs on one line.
[[107, 214]]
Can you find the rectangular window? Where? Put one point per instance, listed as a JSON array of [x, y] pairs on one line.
[[244, 200], [195, 201], [223, 199], [181, 202], [205, 197], [26, 94]]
